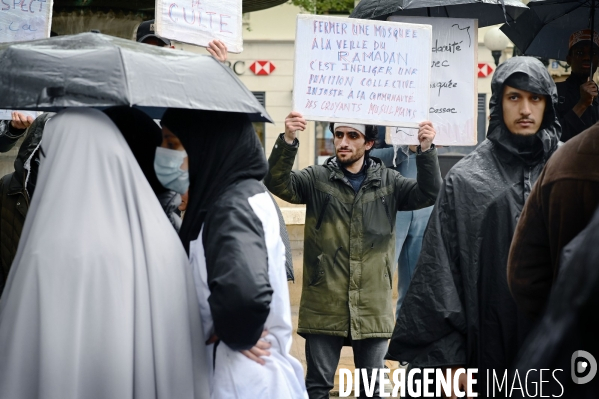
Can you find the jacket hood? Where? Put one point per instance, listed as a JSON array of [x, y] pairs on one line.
[[223, 149], [540, 82], [31, 142], [26, 167]]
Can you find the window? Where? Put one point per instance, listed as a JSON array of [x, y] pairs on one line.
[[324, 146], [260, 127]]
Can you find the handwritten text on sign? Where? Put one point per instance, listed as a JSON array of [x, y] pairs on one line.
[[453, 87], [22, 20], [361, 71], [201, 21]]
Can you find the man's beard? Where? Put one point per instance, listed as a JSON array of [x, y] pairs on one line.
[[524, 141], [349, 161]]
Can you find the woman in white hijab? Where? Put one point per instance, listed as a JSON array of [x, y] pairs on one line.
[[99, 303]]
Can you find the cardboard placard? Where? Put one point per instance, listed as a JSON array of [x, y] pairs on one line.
[[6, 114], [454, 82], [362, 71], [200, 22], [25, 20]]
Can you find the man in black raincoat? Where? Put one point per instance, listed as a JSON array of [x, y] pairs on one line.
[[458, 311]]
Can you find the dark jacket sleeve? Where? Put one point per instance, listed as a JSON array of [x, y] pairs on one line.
[[431, 327], [237, 265], [571, 124], [530, 271], [416, 194], [9, 136], [287, 184]]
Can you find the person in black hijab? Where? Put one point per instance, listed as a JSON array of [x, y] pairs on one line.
[[143, 136], [231, 232]]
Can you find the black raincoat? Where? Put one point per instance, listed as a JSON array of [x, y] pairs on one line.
[[458, 310]]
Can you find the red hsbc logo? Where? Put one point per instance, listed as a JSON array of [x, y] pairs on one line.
[[484, 70], [262, 67]]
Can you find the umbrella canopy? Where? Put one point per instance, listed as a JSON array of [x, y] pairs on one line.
[[148, 5], [488, 12], [544, 30], [95, 70]]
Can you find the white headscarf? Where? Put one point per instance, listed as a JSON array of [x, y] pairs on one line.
[[99, 303]]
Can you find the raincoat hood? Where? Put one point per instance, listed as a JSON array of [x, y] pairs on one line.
[[223, 149], [540, 82]]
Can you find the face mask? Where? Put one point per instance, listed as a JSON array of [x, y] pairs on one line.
[[167, 165]]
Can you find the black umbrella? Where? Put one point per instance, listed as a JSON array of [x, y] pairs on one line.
[[488, 12], [544, 30], [95, 70]]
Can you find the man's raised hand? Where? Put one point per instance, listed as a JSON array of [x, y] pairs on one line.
[[426, 135], [294, 121], [21, 121], [218, 50]]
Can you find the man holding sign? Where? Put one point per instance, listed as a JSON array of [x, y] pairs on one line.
[[349, 241]]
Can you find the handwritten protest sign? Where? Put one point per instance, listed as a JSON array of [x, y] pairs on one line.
[[453, 87], [22, 20], [362, 71], [201, 21], [6, 114]]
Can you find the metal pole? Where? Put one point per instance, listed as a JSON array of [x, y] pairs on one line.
[[592, 36]]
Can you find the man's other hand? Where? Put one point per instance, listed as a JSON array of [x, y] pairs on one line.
[[294, 121], [426, 135], [588, 91], [218, 50], [258, 350], [21, 121]]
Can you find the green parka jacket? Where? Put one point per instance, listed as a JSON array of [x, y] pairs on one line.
[[349, 238]]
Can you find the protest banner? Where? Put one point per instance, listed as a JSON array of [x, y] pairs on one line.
[[200, 22], [6, 114], [453, 87], [362, 71], [22, 20]]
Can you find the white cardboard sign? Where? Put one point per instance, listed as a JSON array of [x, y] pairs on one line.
[[22, 20], [362, 71], [453, 87], [201, 21]]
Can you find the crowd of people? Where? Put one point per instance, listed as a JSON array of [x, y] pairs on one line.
[[140, 260]]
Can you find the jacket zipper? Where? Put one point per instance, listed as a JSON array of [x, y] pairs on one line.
[[387, 212], [324, 208]]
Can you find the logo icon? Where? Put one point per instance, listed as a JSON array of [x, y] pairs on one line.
[[262, 67], [581, 363]]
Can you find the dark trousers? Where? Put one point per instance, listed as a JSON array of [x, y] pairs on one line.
[[322, 357]]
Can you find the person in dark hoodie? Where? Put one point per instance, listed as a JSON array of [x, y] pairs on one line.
[[232, 234], [458, 311], [143, 136], [16, 191], [578, 107]]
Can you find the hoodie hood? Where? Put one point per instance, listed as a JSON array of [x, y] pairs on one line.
[[539, 82]]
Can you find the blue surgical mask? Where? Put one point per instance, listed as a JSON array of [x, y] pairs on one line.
[[167, 164]]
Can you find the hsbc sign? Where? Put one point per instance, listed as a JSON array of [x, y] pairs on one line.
[[262, 67], [484, 70]]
